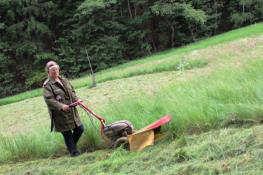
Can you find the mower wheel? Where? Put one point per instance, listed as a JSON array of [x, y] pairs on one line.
[[122, 141]]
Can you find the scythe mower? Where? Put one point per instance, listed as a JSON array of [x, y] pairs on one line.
[[122, 132]]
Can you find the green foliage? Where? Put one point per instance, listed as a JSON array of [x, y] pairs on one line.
[[182, 19], [179, 9], [88, 6], [245, 12], [112, 31]]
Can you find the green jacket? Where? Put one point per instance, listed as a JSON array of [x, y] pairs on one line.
[[55, 96]]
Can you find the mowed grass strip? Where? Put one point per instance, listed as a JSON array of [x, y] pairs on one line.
[[155, 63]]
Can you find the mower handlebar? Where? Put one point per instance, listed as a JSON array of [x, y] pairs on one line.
[[82, 105]]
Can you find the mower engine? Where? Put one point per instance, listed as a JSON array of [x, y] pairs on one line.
[[117, 133]]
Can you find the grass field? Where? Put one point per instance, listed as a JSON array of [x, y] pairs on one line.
[[208, 87]]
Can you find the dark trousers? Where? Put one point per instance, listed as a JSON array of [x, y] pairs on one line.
[[71, 138]]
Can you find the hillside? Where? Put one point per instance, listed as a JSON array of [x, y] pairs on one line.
[[214, 94]]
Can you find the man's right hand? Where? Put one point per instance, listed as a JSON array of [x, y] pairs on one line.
[[65, 108]]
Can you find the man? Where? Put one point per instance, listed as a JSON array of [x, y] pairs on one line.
[[58, 94]]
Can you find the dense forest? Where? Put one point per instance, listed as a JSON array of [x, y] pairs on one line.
[[111, 31]]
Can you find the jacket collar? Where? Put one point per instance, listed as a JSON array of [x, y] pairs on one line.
[[52, 80]]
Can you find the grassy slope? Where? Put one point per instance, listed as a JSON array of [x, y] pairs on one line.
[[231, 79], [131, 69]]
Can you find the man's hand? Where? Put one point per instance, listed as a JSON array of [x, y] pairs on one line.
[[65, 108], [79, 100]]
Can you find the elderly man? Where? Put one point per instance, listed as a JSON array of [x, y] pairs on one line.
[[58, 94]]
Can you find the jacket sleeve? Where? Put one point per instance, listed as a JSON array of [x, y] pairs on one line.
[[50, 99]]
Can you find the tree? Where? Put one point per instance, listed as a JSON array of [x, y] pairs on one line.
[[112, 31]]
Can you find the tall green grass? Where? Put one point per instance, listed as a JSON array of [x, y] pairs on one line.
[[43, 144], [200, 104], [197, 105], [130, 69], [29, 146]]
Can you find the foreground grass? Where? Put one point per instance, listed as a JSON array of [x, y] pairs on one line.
[[226, 151], [229, 94], [155, 63]]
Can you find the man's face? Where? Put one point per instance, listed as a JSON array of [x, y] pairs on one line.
[[53, 71]]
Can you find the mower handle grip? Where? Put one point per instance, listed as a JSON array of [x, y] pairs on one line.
[[74, 104]]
